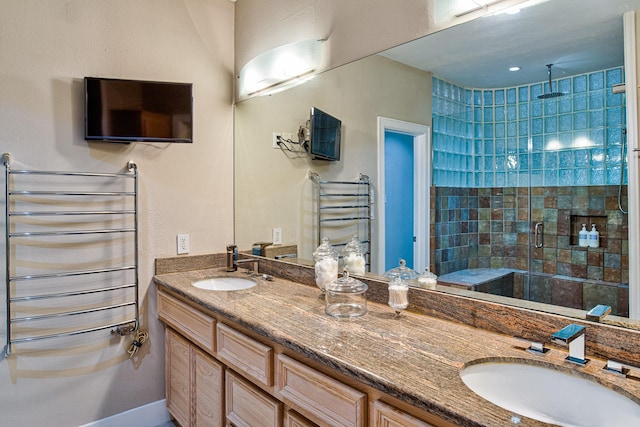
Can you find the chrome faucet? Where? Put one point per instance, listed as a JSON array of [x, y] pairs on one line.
[[573, 336], [232, 258]]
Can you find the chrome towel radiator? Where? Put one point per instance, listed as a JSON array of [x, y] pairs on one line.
[[71, 253], [343, 208]]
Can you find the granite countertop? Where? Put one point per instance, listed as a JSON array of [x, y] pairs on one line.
[[416, 358]]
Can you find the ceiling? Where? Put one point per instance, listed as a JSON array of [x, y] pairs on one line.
[[577, 36]]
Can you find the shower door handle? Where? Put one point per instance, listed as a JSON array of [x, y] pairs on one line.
[[538, 239]]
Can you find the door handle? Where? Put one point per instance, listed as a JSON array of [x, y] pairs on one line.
[[538, 239]]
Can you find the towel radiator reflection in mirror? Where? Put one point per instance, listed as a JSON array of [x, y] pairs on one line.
[[71, 253]]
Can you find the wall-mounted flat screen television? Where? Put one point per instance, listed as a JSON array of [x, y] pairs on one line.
[[133, 110], [324, 136]]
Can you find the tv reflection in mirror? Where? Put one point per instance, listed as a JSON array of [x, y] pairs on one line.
[[126, 111], [324, 136]]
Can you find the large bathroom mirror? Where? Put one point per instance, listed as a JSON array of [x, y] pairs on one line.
[[507, 165]]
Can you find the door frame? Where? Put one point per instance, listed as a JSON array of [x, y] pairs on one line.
[[422, 186]]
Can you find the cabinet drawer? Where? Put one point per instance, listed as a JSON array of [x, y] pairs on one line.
[[245, 354], [191, 323], [318, 397], [247, 406], [293, 419], [387, 416]]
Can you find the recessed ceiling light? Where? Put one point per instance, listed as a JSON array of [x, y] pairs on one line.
[[514, 68]]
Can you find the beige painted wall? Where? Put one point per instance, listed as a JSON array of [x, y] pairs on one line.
[[47, 47], [272, 187]]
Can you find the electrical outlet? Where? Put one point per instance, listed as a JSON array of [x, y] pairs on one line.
[[182, 242], [276, 236], [286, 136]]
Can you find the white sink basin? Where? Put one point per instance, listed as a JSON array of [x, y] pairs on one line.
[[550, 395], [224, 284]]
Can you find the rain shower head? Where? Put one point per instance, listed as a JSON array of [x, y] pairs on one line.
[[550, 94]]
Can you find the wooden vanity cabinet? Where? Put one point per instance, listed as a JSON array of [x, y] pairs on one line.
[[385, 415]]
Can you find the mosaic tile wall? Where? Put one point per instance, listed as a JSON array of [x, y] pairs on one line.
[[481, 137], [490, 228]]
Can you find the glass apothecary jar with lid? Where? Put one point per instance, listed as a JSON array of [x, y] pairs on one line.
[[353, 257], [326, 264], [346, 297]]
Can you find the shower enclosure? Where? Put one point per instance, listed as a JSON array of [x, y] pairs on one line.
[[517, 171]]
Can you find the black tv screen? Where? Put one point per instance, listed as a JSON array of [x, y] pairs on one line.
[[325, 135], [134, 110]]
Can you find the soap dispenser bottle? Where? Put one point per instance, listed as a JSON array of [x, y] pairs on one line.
[[594, 237], [583, 236]]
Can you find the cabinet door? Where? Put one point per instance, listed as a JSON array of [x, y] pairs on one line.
[[387, 416], [247, 406], [208, 391], [178, 377], [293, 419]]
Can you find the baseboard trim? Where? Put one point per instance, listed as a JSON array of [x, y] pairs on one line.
[[149, 415]]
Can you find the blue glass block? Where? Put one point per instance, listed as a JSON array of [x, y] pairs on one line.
[[597, 137], [435, 85], [488, 114], [580, 84], [468, 133], [499, 130], [551, 124], [512, 96], [447, 90], [596, 119], [477, 179], [477, 130], [580, 121], [487, 96], [564, 85], [449, 125], [455, 93], [565, 159], [469, 163], [500, 163], [488, 146], [614, 99], [536, 161], [551, 160], [500, 146], [614, 76], [536, 126], [535, 91], [596, 99], [565, 105], [551, 177], [580, 102], [551, 142], [477, 163], [580, 158], [536, 108], [536, 178], [596, 176], [523, 94], [511, 162], [489, 179], [500, 179], [523, 111], [512, 179], [499, 96], [565, 139], [565, 176], [596, 81], [614, 117], [580, 177], [500, 114], [565, 122], [614, 156], [523, 179], [512, 145], [524, 161], [597, 157], [468, 97], [523, 145], [477, 146], [512, 129], [477, 114], [488, 130], [613, 175], [512, 112], [614, 136], [550, 106], [477, 97]]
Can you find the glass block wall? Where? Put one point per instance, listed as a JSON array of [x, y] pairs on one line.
[[481, 136]]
